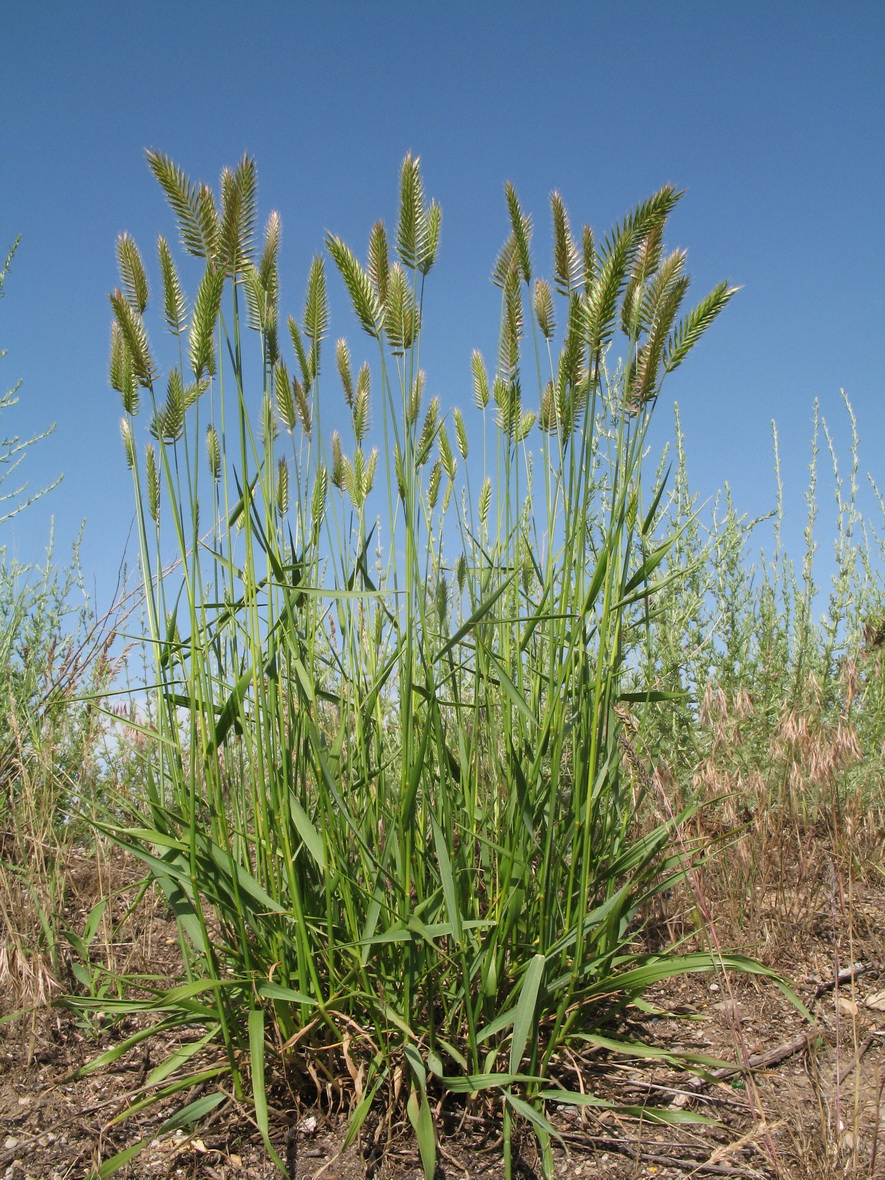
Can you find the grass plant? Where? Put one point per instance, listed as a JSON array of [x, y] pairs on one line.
[[385, 796]]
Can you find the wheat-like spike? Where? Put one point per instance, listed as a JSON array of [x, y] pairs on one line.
[[271, 337], [461, 572], [671, 293], [316, 307], [369, 310], [122, 372], [572, 355], [508, 399], [460, 432], [357, 476], [282, 489], [566, 261], [505, 263], [485, 500], [135, 338], [269, 266], [285, 400], [543, 300], [548, 417], [342, 357], [401, 318], [368, 477], [416, 393], [173, 412], [213, 452], [651, 213], [446, 455], [647, 260], [522, 232], [194, 390], [480, 379], [524, 425], [399, 471], [441, 600], [182, 197], [302, 405], [602, 299], [132, 273], [430, 248], [174, 303], [338, 461], [361, 404], [589, 259], [256, 297], [658, 290], [301, 353], [157, 424], [318, 500], [694, 325], [153, 482], [128, 441], [433, 484], [206, 307], [378, 264], [207, 214], [511, 326], [428, 433], [411, 226], [238, 213]]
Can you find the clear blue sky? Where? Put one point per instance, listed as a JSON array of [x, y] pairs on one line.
[[770, 115]]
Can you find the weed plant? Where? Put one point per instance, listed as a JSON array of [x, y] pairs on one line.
[[54, 660], [385, 796]]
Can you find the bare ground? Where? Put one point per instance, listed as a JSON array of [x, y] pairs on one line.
[[811, 1107]]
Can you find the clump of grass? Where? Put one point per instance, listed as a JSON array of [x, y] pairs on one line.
[[387, 803]]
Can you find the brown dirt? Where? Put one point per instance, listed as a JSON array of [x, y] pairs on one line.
[[818, 1112]]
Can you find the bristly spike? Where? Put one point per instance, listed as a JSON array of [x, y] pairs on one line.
[[431, 239], [238, 213], [285, 400], [521, 226], [361, 403], [566, 260], [182, 197], [174, 302], [378, 266], [543, 303], [122, 372], [208, 216], [342, 357], [401, 317], [411, 227], [505, 262], [687, 334], [316, 308], [480, 380], [132, 273], [368, 308], [206, 308], [135, 338]]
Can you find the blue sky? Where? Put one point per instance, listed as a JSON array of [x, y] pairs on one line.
[[770, 115]]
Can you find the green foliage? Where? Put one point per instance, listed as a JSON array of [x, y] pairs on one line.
[[387, 801]]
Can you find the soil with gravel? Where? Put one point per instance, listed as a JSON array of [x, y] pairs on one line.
[[810, 1106]]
